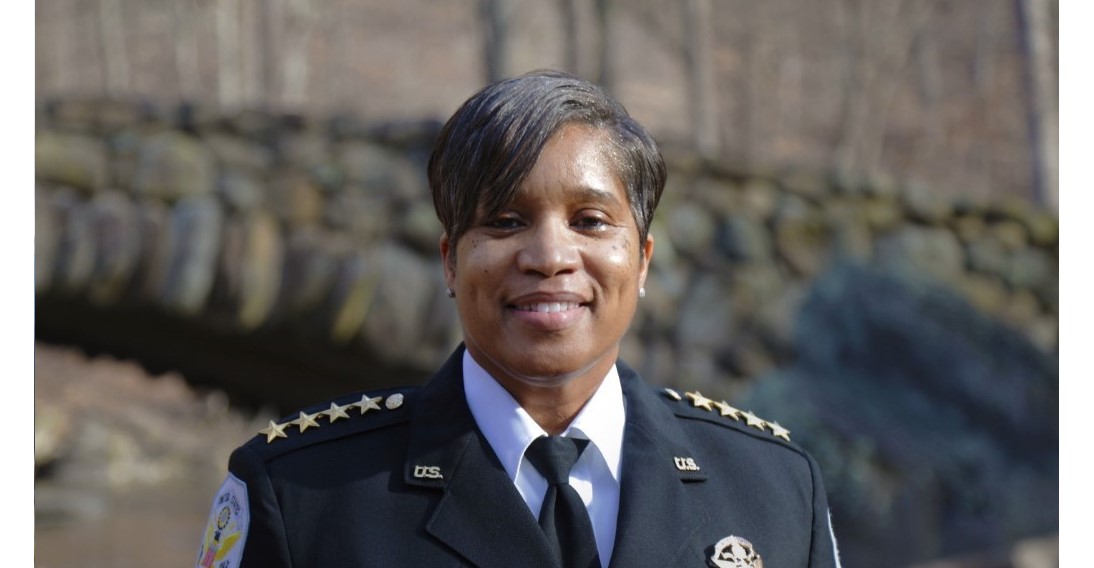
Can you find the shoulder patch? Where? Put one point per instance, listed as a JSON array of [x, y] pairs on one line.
[[697, 400], [226, 531]]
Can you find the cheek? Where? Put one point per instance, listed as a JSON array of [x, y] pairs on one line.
[[618, 263], [476, 259]]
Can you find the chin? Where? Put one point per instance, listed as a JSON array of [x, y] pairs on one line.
[[549, 367]]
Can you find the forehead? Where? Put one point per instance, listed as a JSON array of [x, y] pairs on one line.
[[578, 158]]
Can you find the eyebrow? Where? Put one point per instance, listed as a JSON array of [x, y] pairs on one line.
[[587, 193]]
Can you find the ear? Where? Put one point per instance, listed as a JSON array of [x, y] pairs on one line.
[[447, 261], [647, 256]]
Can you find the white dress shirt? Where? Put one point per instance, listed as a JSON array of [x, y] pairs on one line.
[[510, 430]]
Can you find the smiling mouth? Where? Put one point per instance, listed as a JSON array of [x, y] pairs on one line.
[[548, 307]]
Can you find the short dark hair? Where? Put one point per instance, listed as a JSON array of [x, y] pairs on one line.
[[492, 142]]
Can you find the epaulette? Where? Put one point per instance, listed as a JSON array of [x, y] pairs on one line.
[[743, 419], [346, 415]]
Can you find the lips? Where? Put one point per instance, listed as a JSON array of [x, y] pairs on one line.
[[549, 312], [547, 307]]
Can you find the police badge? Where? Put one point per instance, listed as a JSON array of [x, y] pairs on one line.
[[735, 552]]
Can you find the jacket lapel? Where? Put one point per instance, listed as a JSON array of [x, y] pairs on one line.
[[480, 515], [659, 513]]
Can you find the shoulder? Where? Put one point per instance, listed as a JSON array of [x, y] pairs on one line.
[[707, 418], [371, 413]]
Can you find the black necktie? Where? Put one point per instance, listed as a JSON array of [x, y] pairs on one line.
[[563, 517]]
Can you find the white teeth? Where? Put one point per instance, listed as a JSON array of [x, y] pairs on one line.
[[549, 307]]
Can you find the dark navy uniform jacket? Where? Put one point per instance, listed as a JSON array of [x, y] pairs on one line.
[[418, 485]]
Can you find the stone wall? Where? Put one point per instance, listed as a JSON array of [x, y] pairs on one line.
[[253, 222]]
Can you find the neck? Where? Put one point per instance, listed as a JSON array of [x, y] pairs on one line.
[[556, 409], [553, 402]]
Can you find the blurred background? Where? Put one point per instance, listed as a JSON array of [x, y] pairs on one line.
[[859, 239]]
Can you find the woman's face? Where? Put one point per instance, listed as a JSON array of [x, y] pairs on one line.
[[546, 289]]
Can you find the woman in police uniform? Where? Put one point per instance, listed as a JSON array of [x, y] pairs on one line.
[[533, 445]]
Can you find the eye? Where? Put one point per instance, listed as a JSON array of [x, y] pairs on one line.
[[504, 223], [591, 220]]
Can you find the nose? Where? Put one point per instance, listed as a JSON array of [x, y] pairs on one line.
[[548, 249]]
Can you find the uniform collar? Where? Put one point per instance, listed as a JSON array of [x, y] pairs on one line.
[[510, 429]]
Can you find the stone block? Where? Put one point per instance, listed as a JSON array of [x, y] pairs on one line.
[[313, 259], [295, 198], [48, 226], [76, 251], [116, 229], [241, 190], [706, 317], [172, 165], [742, 238], [928, 250], [188, 259], [239, 153], [71, 159], [381, 171], [250, 270], [691, 229], [803, 241], [1011, 234], [926, 206], [408, 290]]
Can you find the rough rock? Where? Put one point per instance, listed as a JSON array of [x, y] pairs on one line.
[[691, 230], [744, 239], [188, 259], [116, 231], [173, 165], [69, 159]]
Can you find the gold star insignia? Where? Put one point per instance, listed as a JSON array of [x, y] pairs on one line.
[[754, 420], [699, 401], [779, 431], [726, 410], [368, 403], [274, 430], [335, 412], [305, 421]]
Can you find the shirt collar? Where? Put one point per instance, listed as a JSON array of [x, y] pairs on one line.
[[510, 429]]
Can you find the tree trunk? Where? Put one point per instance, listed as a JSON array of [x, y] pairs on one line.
[[495, 16], [186, 50], [605, 70], [228, 64], [112, 46], [1042, 114], [300, 25], [701, 103]]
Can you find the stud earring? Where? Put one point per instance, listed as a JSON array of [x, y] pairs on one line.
[[450, 293], [642, 292]]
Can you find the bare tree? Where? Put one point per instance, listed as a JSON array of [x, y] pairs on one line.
[[1036, 32], [496, 16], [295, 53], [698, 57], [186, 50], [881, 36], [251, 53], [112, 46], [571, 22], [228, 58], [585, 32], [605, 69]]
